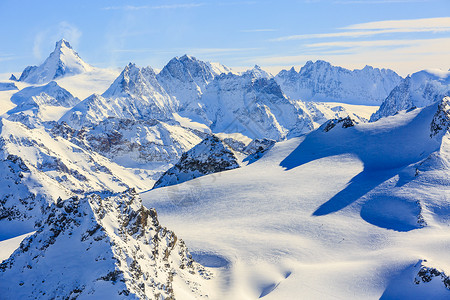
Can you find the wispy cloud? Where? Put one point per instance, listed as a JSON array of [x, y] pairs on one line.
[[413, 24], [143, 7], [258, 30], [435, 25]]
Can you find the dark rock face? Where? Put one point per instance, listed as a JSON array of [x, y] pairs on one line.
[[441, 120], [257, 148], [212, 155], [427, 274], [13, 78], [343, 122]]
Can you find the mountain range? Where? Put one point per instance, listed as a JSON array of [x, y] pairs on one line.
[[279, 185]]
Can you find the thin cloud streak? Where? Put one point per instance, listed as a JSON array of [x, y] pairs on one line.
[[434, 25], [413, 24], [168, 6], [258, 30]]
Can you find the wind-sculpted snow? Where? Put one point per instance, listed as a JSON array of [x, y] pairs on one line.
[[348, 209], [320, 81], [418, 90], [102, 246], [134, 95], [63, 61]]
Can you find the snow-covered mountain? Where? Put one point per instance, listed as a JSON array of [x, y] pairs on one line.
[[135, 94], [133, 142], [186, 77], [102, 246], [47, 102], [38, 169], [418, 90], [63, 61], [320, 81], [7, 86], [249, 104]]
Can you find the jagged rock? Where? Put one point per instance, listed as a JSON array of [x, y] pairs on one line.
[[441, 120], [212, 155], [344, 122], [257, 148], [63, 61], [101, 246], [13, 77], [320, 81], [426, 274]]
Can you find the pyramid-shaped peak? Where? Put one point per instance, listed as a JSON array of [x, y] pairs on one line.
[[62, 43], [62, 62]]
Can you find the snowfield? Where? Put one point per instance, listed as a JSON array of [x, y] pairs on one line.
[[318, 218]]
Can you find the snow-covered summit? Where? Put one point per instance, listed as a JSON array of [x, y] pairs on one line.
[[63, 61], [321, 81], [417, 90], [248, 104], [186, 77], [257, 72], [135, 94]]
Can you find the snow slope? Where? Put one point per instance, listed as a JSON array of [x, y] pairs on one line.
[[320, 81], [352, 213]]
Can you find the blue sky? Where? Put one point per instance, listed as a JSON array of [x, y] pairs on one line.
[[405, 35]]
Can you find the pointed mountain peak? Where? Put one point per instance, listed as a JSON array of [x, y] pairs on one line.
[[257, 72], [62, 43], [63, 61]]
